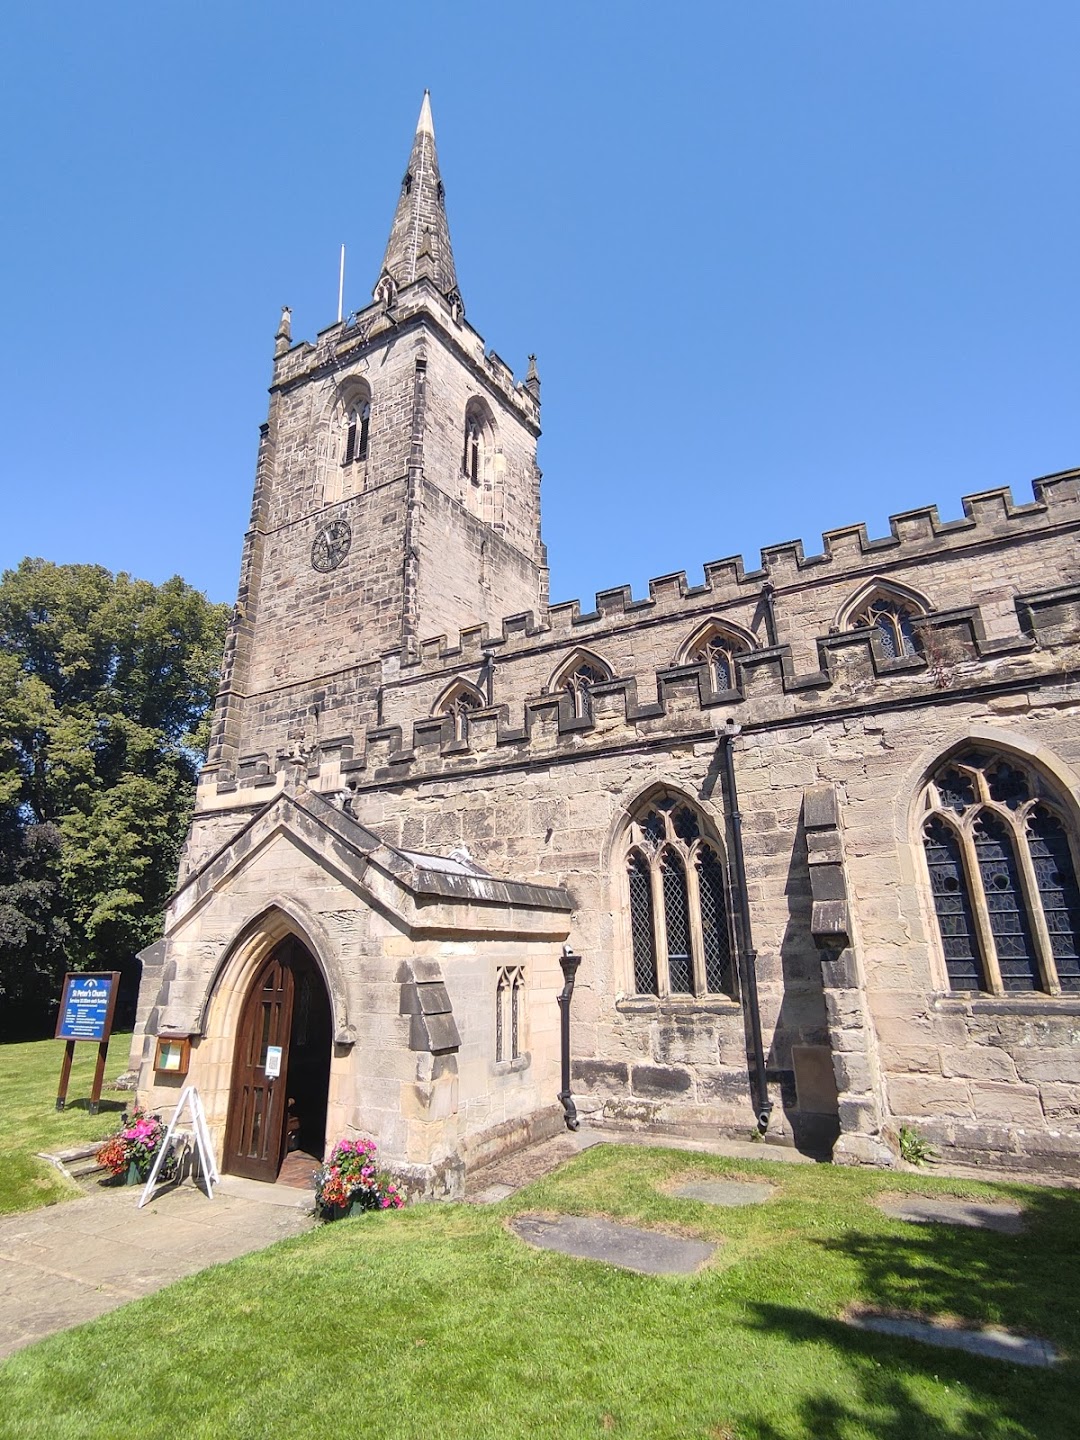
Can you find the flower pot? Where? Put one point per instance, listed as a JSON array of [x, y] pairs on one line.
[[133, 1177]]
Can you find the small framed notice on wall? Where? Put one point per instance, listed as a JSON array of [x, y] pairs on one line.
[[173, 1056]]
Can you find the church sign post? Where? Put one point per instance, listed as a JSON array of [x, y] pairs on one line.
[[87, 1004]]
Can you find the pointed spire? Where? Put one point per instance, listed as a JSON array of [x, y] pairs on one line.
[[419, 242]]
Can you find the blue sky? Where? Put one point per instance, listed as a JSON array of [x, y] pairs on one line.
[[785, 266]]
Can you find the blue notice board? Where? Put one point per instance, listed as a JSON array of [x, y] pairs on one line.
[[86, 1006]]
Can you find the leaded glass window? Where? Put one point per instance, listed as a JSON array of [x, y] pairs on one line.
[[1003, 877], [459, 705], [718, 651], [578, 684], [680, 929], [891, 620]]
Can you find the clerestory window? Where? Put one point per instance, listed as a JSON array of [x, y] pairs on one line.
[[892, 621], [718, 651], [578, 684], [679, 916], [1001, 857], [459, 704]]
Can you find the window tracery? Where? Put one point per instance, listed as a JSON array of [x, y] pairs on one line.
[[892, 619], [509, 1012], [458, 704], [719, 650], [357, 431], [578, 684], [1003, 877], [680, 928]]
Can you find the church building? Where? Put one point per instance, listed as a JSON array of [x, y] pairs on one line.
[[812, 826]]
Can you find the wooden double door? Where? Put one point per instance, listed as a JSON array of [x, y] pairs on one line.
[[281, 1066]]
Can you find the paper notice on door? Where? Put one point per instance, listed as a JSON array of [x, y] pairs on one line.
[[273, 1062]]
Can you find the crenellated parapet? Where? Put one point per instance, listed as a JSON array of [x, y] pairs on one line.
[[679, 702]]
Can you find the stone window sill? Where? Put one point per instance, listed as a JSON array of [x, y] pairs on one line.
[[511, 1067], [677, 1005], [1024, 1004]]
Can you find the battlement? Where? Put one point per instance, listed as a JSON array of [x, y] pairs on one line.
[[847, 552], [853, 673], [345, 340]]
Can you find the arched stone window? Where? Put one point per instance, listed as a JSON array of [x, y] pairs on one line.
[[890, 611], [509, 1017], [718, 647], [1001, 857], [478, 456], [680, 929], [458, 703], [576, 679], [357, 431]]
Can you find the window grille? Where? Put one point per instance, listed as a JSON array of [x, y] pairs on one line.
[[680, 927], [1002, 868]]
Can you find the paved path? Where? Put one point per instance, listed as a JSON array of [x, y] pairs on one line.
[[71, 1262]]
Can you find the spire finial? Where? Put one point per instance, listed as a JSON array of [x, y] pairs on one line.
[[425, 122], [532, 379], [419, 245]]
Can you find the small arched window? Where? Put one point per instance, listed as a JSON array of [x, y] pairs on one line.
[[458, 703], [1003, 877], [576, 680], [718, 649], [479, 442], [355, 413], [890, 611], [680, 927]]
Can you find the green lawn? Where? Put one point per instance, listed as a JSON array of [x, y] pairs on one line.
[[436, 1321], [30, 1122]]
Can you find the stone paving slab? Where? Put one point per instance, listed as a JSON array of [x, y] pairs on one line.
[[991, 1343], [922, 1210], [590, 1238], [73, 1262], [725, 1192]]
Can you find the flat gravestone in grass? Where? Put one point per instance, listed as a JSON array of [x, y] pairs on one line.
[[991, 1343], [725, 1192], [590, 1238], [942, 1210]]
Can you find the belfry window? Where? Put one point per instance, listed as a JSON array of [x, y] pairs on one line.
[[357, 431], [1003, 877], [680, 928]]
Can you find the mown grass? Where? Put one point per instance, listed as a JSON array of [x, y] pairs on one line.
[[438, 1321], [30, 1121]]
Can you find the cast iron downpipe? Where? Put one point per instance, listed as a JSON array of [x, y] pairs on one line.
[[569, 963], [743, 932]]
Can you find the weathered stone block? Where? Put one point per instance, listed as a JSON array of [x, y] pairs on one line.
[[660, 1081]]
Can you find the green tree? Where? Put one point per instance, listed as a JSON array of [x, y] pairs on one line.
[[106, 685]]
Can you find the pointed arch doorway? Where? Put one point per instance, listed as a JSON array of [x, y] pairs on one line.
[[286, 1009]]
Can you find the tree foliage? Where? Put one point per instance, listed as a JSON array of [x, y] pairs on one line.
[[106, 685]]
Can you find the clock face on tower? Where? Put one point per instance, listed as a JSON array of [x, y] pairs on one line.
[[331, 545]]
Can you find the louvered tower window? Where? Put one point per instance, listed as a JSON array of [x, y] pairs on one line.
[[1002, 866], [680, 927]]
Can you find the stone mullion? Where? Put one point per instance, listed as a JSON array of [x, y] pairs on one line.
[[1033, 900], [693, 902], [663, 977], [979, 912]]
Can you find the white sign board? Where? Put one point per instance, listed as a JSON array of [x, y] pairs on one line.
[[273, 1062]]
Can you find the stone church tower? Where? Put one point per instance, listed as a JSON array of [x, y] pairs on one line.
[[397, 496], [813, 825]]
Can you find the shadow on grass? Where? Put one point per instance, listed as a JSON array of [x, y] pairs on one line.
[[1027, 1281], [104, 1106], [895, 1392]]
